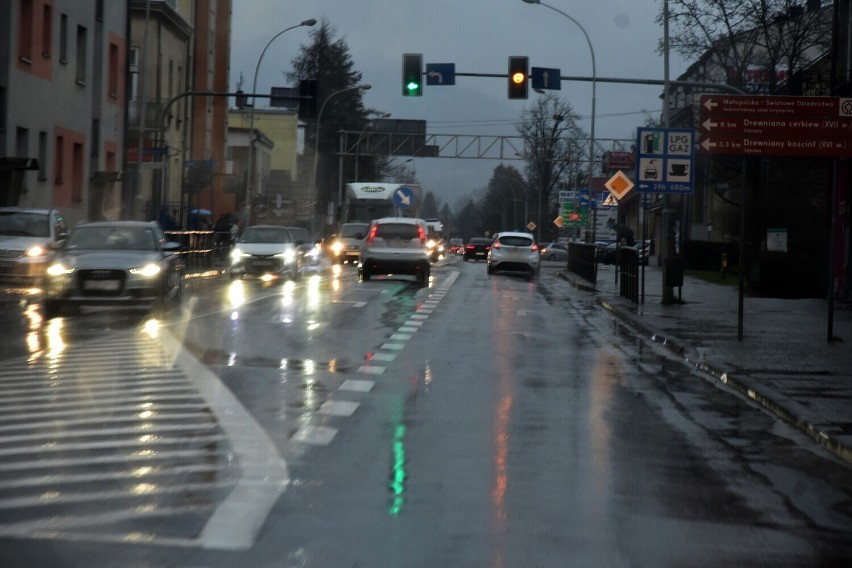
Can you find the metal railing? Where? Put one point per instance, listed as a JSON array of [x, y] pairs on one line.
[[196, 247], [582, 261]]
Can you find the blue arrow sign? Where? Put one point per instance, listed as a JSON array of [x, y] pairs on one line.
[[440, 73], [544, 78], [404, 197]]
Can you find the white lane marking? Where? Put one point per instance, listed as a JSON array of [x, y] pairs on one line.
[[384, 357], [419, 316], [400, 336], [316, 435], [393, 346], [371, 370], [338, 407], [406, 329], [355, 385], [237, 520], [413, 323]]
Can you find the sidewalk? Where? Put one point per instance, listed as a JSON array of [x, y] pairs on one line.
[[784, 361]]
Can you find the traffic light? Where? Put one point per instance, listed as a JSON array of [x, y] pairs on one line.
[[307, 99], [518, 77], [240, 100], [412, 74]]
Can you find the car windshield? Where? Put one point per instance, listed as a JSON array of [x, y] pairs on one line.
[[397, 231], [24, 224], [349, 231], [112, 238], [516, 241], [266, 235]]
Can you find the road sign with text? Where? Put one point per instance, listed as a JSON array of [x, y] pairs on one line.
[[776, 126], [664, 160]]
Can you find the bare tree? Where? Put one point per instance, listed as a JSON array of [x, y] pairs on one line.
[[553, 148], [749, 44]]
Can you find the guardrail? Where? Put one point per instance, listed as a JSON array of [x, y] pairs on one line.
[[196, 247], [582, 262]]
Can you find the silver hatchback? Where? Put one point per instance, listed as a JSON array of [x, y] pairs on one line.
[[395, 245], [514, 252]]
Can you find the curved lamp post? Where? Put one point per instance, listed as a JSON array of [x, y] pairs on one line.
[[316, 138], [249, 183], [594, 82]]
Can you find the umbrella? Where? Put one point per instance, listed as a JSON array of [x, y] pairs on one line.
[[201, 212]]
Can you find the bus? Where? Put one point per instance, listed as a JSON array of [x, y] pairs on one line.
[[365, 201]]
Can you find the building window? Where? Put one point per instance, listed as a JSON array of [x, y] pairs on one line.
[[47, 31], [77, 173], [81, 55], [63, 38], [42, 156], [133, 69], [25, 30], [113, 70], [22, 142], [59, 160]]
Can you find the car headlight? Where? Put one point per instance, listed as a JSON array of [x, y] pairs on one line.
[[36, 250], [147, 271], [236, 255], [337, 247], [288, 256], [58, 269]]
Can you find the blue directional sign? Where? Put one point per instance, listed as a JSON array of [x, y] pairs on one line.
[[544, 78], [404, 197], [440, 73], [665, 160]]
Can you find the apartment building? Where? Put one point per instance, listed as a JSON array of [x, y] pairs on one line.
[[62, 105]]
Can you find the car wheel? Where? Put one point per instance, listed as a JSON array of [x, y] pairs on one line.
[[489, 269], [363, 274]]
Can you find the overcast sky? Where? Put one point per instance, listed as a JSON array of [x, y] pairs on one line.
[[478, 36]]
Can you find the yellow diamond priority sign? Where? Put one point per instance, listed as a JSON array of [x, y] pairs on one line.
[[619, 184]]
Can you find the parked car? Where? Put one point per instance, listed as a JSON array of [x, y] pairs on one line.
[[395, 245], [26, 238], [346, 244], [514, 251], [605, 253], [553, 251], [477, 249], [270, 251], [115, 263]]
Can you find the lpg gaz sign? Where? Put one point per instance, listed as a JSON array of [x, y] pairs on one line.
[[665, 160]]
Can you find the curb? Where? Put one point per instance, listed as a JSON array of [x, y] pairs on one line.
[[841, 450]]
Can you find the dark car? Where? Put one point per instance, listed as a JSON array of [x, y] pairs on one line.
[[477, 249], [115, 263]]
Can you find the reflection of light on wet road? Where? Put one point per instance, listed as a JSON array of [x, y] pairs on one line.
[[236, 294]]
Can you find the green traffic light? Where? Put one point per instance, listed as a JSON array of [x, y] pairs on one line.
[[412, 87]]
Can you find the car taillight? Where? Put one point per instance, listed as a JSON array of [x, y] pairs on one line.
[[469, 247], [495, 245], [534, 247], [421, 233], [373, 230]]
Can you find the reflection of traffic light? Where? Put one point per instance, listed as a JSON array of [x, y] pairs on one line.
[[518, 77], [412, 75]]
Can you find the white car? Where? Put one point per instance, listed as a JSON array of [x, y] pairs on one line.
[[395, 245], [346, 243], [269, 251], [26, 239], [514, 252]]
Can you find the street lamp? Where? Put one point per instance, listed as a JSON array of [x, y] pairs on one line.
[[309, 22], [316, 140], [594, 82]]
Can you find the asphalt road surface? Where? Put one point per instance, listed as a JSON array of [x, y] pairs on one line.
[[489, 421]]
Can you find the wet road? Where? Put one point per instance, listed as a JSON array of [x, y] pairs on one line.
[[482, 421]]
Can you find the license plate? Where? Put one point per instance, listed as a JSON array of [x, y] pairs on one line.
[[102, 285], [262, 263]]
